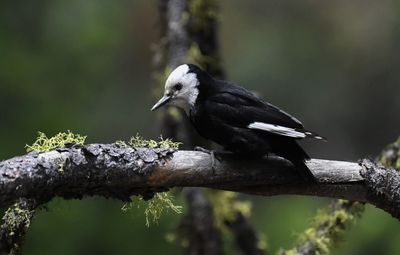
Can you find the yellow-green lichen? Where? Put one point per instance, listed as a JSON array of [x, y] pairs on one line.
[[16, 217], [139, 141], [155, 207], [121, 143], [61, 167], [226, 206], [44, 143], [328, 226]]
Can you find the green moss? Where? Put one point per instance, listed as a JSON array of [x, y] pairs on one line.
[[121, 143], [225, 207], [155, 207], [139, 141], [44, 143], [328, 226]]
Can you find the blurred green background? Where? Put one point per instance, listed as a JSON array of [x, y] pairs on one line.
[[86, 65]]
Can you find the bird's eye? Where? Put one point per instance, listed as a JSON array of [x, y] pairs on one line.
[[178, 86]]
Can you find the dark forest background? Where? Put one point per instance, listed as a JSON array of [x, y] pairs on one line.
[[87, 66]]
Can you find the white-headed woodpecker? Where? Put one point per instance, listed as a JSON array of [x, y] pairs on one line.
[[235, 118]]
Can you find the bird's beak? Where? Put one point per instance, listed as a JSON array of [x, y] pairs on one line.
[[165, 99]]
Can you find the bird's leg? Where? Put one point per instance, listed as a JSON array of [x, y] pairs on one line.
[[212, 155]]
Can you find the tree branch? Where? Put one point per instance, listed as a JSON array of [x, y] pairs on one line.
[[16, 222], [119, 171]]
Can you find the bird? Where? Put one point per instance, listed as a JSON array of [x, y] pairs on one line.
[[235, 118]]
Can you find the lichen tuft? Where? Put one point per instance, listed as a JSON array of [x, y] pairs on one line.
[[16, 217], [139, 141], [44, 143], [154, 208]]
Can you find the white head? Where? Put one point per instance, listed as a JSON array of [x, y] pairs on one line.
[[180, 89]]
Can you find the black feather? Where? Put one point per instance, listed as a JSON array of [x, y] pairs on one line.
[[223, 112]]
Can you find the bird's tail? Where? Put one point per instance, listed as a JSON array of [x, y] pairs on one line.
[[311, 134], [293, 152], [302, 169]]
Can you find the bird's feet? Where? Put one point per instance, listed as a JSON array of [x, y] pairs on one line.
[[212, 155]]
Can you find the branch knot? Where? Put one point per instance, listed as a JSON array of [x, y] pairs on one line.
[[383, 186]]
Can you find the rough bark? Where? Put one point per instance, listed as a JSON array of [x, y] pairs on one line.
[[117, 171], [95, 169], [383, 187], [16, 222]]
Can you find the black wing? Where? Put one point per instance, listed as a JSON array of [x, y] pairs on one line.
[[244, 108], [239, 108]]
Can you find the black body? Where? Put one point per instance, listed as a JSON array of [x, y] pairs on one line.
[[223, 111]]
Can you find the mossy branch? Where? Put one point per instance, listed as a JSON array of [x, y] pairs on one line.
[[120, 171], [327, 228], [16, 219], [146, 167]]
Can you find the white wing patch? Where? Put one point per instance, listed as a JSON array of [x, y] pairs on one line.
[[276, 129]]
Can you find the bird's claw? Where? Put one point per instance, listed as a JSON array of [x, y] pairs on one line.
[[212, 156], [198, 148]]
